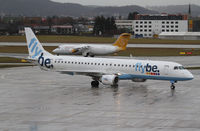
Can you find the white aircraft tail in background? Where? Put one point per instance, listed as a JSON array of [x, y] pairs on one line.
[[94, 49]]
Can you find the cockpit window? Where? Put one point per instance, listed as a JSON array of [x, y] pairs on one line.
[[175, 67], [179, 68]]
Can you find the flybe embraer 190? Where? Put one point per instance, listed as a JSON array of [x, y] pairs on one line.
[[108, 71], [94, 49]]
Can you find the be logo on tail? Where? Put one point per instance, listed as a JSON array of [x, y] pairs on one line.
[[34, 49], [45, 62]]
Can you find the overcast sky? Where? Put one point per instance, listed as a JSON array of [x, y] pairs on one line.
[[131, 2]]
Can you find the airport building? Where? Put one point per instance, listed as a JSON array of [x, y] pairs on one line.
[[125, 24], [153, 25]]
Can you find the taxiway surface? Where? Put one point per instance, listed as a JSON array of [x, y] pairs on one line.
[[35, 100]]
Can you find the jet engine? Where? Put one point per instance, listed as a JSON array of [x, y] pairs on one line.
[[109, 79], [138, 80], [72, 50]]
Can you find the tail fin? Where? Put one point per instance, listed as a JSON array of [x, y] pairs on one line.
[[35, 48], [122, 41]]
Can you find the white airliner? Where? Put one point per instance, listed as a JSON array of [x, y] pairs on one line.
[[105, 70], [94, 49]]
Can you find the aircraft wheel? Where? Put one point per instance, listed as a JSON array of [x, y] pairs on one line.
[[173, 87], [86, 55], [95, 84]]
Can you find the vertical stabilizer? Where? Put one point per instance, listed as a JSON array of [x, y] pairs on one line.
[[35, 48], [122, 41]]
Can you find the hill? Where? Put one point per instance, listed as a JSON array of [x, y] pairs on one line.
[[174, 9], [49, 8]]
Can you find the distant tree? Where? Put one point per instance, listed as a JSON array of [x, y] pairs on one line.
[[114, 27], [49, 22], [132, 16], [82, 20], [104, 25], [12, 28]]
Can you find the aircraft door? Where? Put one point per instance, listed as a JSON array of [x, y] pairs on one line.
[[166, 69]]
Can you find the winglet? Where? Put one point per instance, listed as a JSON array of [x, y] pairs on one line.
[[122, 41]]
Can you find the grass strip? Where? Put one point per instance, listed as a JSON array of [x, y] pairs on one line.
[[85, 39]]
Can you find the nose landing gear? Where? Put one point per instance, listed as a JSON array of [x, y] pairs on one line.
[[173, 84]]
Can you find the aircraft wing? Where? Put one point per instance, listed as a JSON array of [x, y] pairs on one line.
[[84, 49], [80, 48], [14, 55], [93, 74], [19, 56]]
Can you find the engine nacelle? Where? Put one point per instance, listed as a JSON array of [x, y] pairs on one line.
[[138, 80], [109, 79], [72, 50]]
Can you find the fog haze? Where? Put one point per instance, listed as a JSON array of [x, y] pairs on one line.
[[131, 2]]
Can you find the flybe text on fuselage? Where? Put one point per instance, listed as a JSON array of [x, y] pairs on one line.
[[149, 69], [45, 62]]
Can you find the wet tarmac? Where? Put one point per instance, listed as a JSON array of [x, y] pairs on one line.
[[35, 100]]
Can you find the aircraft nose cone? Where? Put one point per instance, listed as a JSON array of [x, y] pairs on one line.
[[55, 50], [190, 76]]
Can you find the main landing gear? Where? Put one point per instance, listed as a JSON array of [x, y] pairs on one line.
[[95, 84], [173, 85], [88, 55]]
